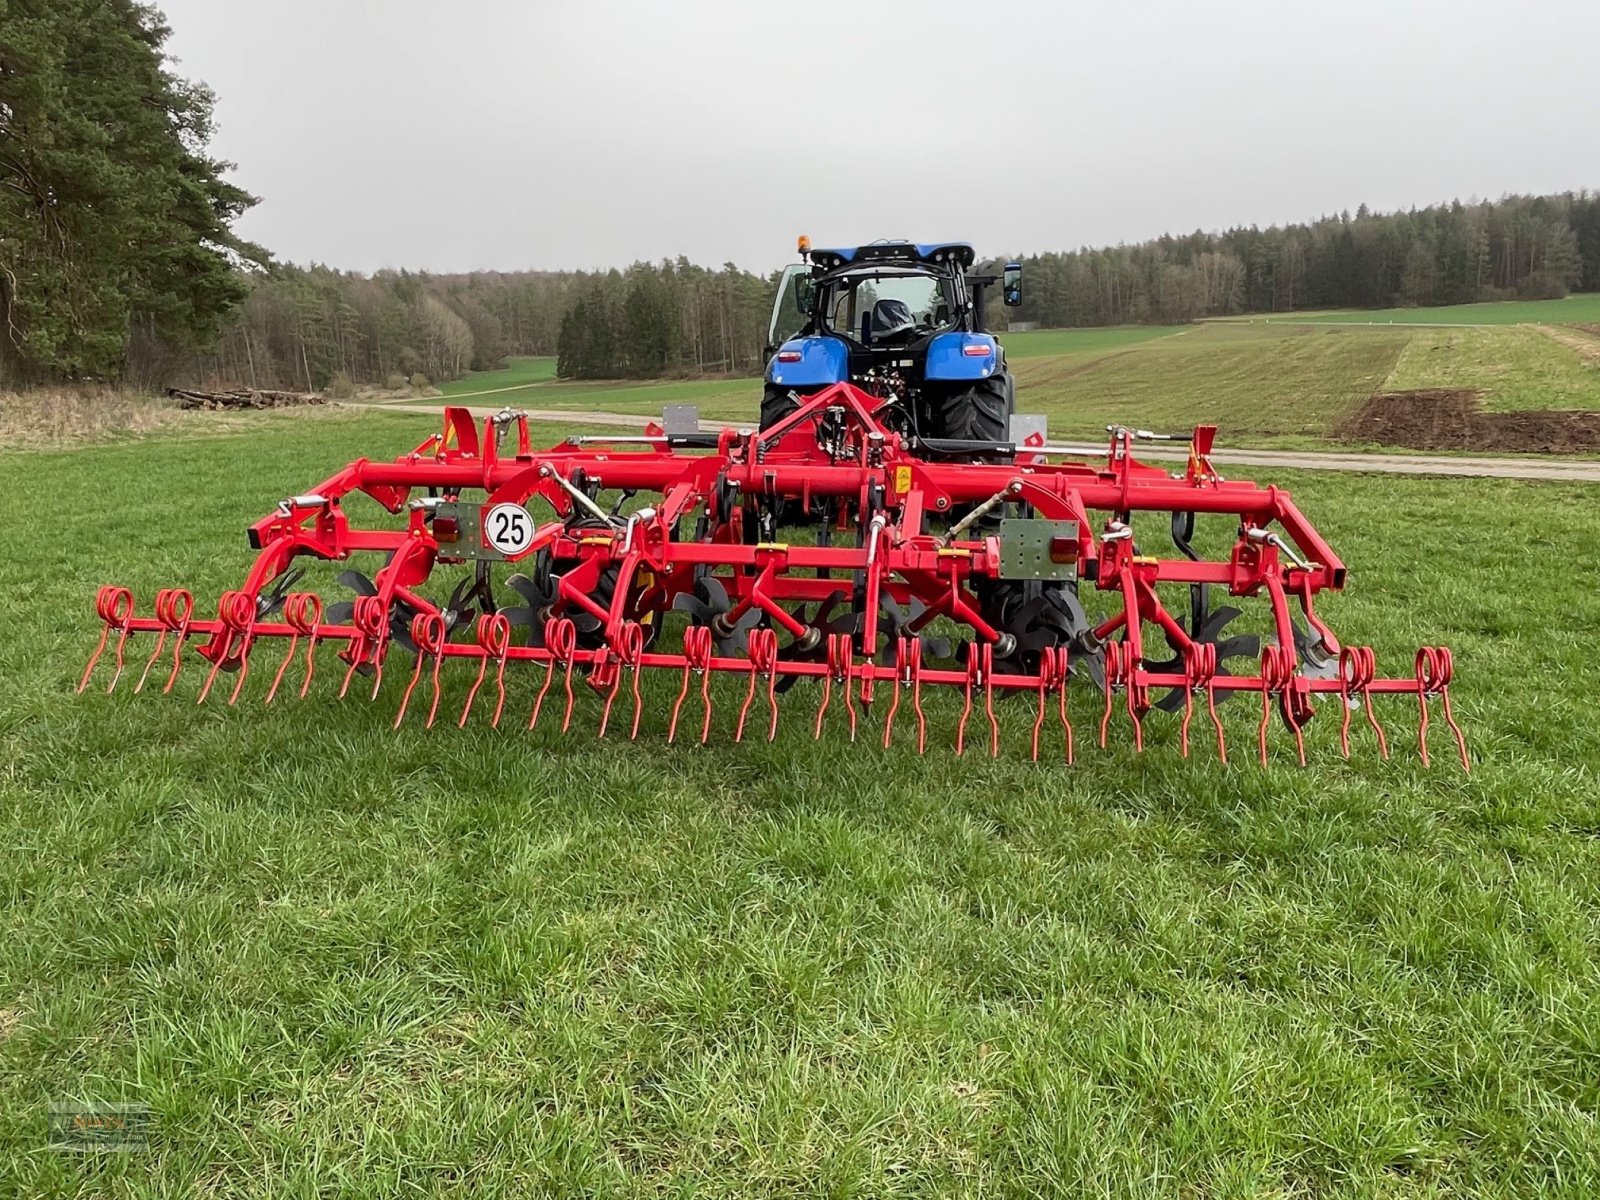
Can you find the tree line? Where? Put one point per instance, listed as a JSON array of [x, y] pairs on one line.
[[309, 327], [1519, 247]]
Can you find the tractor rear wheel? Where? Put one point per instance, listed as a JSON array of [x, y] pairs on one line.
[[777, 402], [980, 413]]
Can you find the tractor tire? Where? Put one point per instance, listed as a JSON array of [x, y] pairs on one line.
[[980, 413], [777, 402]]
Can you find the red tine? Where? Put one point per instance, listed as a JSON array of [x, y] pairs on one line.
[[986, 668], [1053, 666], [966, 699], [493, 633], [114, 607], [370, 615], [902, 672], [1122, 671], [1434, 670], [632, 649], [1277, 673], [697, 647], [841, 655], [561, 639], [1357, 668], [763, 648], [180, 606], [174, 606], [980, 672], [1200, 670], [563, 642], [428, 631], [235, 611], [298, 614]]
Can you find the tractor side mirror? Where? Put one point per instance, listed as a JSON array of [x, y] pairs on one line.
[[1011, 285], [805, 294]]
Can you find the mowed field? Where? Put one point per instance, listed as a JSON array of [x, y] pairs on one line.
[[1264, 383], [338, 959]]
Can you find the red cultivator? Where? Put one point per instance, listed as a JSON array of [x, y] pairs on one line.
[[922, 563]]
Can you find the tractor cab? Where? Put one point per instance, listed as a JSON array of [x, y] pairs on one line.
[[903, 321]]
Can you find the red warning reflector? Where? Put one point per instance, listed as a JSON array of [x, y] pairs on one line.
[[975, 350], [788, 356]]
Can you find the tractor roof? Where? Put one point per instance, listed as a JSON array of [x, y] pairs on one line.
[[908, 253]]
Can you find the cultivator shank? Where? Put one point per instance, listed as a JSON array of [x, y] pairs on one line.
[[826, 548]]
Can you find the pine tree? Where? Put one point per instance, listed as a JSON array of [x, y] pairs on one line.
[[111, 212]]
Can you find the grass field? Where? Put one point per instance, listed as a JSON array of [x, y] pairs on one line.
[[1287, 384], [335, 958], [517, 373], [1517, 368], [1574, 310], [1039, 343], [1262, 385]]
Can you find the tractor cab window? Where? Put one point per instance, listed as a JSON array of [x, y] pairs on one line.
[[790, 308], [885, 308]]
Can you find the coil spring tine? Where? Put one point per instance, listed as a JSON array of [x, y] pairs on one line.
[[1277, 674], [1434, 670], [986, 661], [900, 669], [549, 670], [114, 607], [966, 699], [696, 660], [633, 642]]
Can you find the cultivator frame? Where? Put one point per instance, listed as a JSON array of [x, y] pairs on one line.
[[937, 532]]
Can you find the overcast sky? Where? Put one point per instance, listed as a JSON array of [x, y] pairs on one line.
[[584, 133]]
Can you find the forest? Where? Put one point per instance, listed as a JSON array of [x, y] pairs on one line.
[[119, 259]]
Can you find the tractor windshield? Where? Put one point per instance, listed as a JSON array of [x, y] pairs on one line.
[[875, 307]]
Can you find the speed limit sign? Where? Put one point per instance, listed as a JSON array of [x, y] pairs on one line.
[[508, 529]]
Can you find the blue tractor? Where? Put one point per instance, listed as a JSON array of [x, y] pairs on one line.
[[903, 321]]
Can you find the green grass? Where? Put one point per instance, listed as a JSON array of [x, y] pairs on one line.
[[1574, 310], [1037, 343], [1517, 368], [531, 383], [1260, 384], [339, 959], [517, 373]]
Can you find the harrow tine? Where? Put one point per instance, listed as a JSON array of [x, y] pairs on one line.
[[1122, 671], [903, 652], [841, 655], [763, 647], [1357, 667], [1277, 675], [561, 639], [631, 638], [236, 612], [428, 632], [980, 672], [1434, 669], [634, 644], [494, 639], [986, 669], [303, 612], [1053, 667], [1200, 670], [114, 607], [174, 607], [698, 645]]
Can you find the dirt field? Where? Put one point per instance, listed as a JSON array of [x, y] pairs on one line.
[[1453, 419]]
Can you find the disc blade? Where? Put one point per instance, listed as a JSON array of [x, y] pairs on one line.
[[356, 582]]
